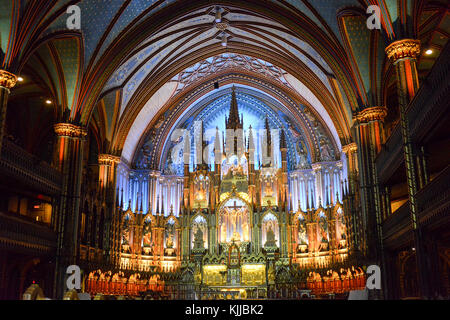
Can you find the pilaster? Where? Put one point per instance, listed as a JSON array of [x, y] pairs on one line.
[[403, 55], [7, 82], [68, 159]]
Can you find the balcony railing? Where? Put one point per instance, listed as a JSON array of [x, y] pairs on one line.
[[426, 109], [22, 166], [19, 232], [391, 155], [431, 100], [397, 224], [434, 199]]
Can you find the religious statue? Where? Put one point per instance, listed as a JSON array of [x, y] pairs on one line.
[[324, 241], [147, 239], [325, 151], [302, 237], [271, 241], [236, 237], [199, 243], [169, 241], [303, 156], [269, 191]]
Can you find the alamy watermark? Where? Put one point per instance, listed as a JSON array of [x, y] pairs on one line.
[[73, 281], [374, 277], [73, 21], [374, 20]]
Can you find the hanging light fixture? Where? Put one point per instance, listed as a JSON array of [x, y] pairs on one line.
[[218, 15], [224, 39]]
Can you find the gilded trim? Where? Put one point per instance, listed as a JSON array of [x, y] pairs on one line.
[[108, 160], [7, 79], [69, 130], [406, 48], [372, 114]]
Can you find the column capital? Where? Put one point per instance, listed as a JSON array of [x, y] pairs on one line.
[[69, 130], [108, 159], [406, 48], [371, 114], [7, 79], [351, 147], [316, 166]]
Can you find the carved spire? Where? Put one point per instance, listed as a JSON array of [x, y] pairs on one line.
[[268, 136], [307, 200], [121, 199], [233, 121], [181, 207], [282, 139], [157, 204], [251, 141], [137, 203]]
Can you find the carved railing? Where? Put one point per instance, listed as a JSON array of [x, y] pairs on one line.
[[397, 224], [391, 155], [21, 233], [433, 208], [431, 100], [22, 166], [434, 199], [426, 109]]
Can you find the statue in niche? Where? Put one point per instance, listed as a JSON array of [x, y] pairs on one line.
[[269, 190], [303, 156], [169, 233], [323, 232], [169, 241], [147, 235], [169, 167], [126, 233], [271, 241], [302, 237], [325, 151], [199, 244]]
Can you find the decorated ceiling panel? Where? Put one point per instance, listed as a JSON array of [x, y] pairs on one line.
[[332, 61], [170, 46], [145, 115]]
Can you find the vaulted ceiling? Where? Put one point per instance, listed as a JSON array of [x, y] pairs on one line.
[[135, 60]]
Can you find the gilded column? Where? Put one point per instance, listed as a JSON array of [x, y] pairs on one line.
[[403, 55], [107, 183], [350, 186], [369, 137], [317, 169], [68, 159], [7, 82]]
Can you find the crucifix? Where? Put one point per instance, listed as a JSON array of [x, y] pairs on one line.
[[234, 216], [235, 207]]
